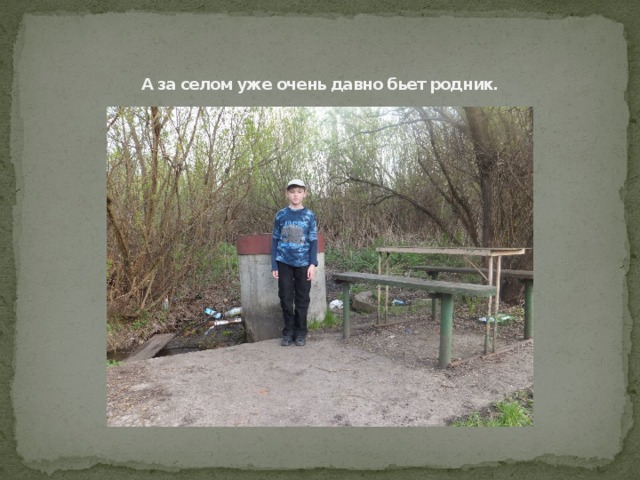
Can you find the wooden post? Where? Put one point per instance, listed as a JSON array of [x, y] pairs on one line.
[[497, 304], [386, 289], [446, 329], [346, 325], [528, 308], [487, 326], [379, 287]]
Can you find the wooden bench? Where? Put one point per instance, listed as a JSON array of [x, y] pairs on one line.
[[445, 291], [525, 276]]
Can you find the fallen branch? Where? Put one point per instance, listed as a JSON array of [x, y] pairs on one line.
[[486, 356]]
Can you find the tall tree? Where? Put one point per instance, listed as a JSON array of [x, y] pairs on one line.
[[469, 172], [487, 162]]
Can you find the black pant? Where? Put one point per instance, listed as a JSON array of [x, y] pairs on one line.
[[293, 289]]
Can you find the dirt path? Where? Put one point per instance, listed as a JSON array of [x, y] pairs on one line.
[[380, 377]]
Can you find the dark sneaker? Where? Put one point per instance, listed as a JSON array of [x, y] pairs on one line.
[[286, 341], [301, 341]]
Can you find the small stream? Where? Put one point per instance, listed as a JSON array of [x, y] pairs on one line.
[[233, 334]]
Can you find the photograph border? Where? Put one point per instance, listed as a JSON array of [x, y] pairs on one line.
[[624, 463], [394, 119]]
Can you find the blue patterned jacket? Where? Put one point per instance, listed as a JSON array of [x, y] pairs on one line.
[[295, 238]]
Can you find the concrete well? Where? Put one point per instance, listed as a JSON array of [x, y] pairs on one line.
[[259, 290]]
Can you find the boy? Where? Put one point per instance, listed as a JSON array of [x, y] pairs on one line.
[[294, 258]]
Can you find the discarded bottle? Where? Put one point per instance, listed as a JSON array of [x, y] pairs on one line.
[[233, 312], [399, 302], [500, 318], [212, 313]]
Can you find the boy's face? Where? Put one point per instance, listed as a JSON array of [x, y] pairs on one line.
[[296, 195]]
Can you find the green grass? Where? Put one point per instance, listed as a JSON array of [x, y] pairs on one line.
[[113, 363], [352, 259], [140, 324], [330, 320], [227, 333], [514, 411], [512, 414]]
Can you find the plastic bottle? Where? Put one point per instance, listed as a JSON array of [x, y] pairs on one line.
[[233, 312], [212, 313]]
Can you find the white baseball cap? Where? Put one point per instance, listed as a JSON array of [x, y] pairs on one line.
[[296, 182]]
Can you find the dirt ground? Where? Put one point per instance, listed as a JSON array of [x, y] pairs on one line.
[[381, 376]]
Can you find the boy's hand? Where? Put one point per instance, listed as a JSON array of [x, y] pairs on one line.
[[311, 271], [275, 274]]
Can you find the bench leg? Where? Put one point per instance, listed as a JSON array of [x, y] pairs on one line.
[[434, 302], [346, 325], [379, 289], [446, 330], [528, 309]]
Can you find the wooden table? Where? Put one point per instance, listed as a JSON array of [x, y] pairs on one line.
[[445, 291], [490, 252]]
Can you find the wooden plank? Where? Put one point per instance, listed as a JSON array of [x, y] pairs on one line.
[[470, 251], [524, 274], [150, 347], [419, 283]]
